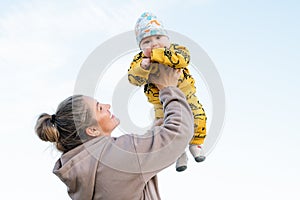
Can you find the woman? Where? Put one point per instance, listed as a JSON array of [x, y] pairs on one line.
[[95, 165]]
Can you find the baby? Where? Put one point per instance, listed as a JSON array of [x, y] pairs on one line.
[[156, 48]]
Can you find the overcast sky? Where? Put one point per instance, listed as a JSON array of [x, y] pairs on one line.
[[253, 44]]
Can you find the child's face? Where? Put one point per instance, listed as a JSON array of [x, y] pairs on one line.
[[155, 41]]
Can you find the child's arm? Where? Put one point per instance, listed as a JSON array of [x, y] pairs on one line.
[[176, 56], [138, 75]]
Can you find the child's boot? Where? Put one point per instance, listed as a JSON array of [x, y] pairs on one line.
[[181, 163], [197, 152]]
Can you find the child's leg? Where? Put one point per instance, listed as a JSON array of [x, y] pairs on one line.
[[152, 93], [197, 152], [158, 109], [199, 130], [181, 163]]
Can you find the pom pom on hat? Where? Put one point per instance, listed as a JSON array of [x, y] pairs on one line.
[[148, 25]]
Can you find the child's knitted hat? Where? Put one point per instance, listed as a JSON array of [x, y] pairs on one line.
[[148, 25]]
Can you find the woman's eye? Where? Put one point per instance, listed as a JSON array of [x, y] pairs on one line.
[[158, 37], [99, 107]]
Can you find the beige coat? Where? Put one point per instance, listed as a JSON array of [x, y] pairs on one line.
[[125, 168]]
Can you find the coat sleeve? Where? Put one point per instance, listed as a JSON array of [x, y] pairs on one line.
[[176, 56], [162, 145], [136, 74], [159, 147]]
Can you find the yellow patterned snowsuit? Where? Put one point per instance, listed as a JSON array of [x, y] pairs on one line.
[[176, 57]]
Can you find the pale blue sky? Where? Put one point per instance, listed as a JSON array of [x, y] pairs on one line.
[[254, 44]]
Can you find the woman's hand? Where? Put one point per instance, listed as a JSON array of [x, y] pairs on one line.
[[165, 76]]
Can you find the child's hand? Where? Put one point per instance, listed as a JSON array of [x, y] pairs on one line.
[[145, 64], [147, 52]]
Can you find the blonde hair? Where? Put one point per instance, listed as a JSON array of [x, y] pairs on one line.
[[66, 129]]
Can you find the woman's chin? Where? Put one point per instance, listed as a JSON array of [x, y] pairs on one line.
[[117, 120]]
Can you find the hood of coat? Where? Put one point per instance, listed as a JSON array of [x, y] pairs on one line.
[[77, 168]]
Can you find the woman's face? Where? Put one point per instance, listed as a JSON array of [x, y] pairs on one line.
[[107, 122]]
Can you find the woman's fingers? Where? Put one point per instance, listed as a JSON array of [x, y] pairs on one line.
[[165, 76]]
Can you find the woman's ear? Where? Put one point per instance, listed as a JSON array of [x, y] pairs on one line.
[[92, 131]]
